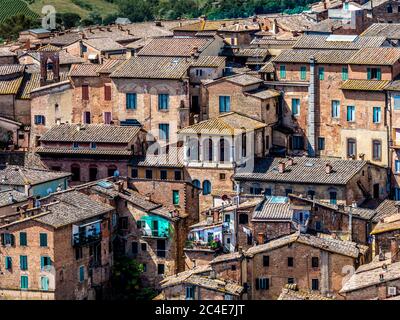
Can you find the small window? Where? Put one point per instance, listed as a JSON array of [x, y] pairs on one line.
[[149, 174], [303, 73], [45, 262], [163, 101], [81, 273], [8, 263], [345, 73], [75, 145], [178, 175], [175, 197], [298, 143], [314, 284], [87, 118], [374, 74], [85, 92], [288, 191], [144, 265], [222, 176], [351, 148], [224, 104], [262, 284], [44, 283], [335, 109], [134, 173], [131, 101], [321, 143], [243, 218], [134, 247], [40, 120], [163, 174], [333, 197], [295, 107], [282, 72], [265, 261], [123, 223], [290, 261], [290, 280], [318, 225], [24, 282], [160, 268], [376, 150], [314, 262], [190, 293], [321, 73], [43, 239], [23, 239], [143, 246], [23, 260], [107, 92], [351, 113], [206, 187], [78, 253], [163, 129], [376, 115]]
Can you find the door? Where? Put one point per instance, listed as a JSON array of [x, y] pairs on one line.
[[93, 174], [376, 191], [195, 104], [161, 248]]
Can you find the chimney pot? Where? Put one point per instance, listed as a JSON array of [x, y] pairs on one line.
[[290, 161], [328, 168], [261, 238]]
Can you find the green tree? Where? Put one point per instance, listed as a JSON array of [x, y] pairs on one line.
[[126, 282], [12, 26], [69, 19], [136, 10]]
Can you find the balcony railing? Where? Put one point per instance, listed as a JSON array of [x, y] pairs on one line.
[[202, 245], [83, 238], [156, 233]]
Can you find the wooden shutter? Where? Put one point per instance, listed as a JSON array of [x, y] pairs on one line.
[[257, 284], [85, 92], [107, 92]]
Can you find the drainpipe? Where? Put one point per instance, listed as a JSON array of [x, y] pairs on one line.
[[389, 126], [311, 109]]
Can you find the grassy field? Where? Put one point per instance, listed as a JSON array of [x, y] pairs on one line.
[[9, 8], [103, 7]]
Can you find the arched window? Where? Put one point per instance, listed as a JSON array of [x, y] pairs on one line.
[[206, 187], [208, 150], [76, 172], [196, 183], [222, 150], [193, 149]]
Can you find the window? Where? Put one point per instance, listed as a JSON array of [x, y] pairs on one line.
[[131, 101], [107, 92], [321, 143], [189, 293], [314, 262], [86, 117], [335, 112], [134, 248], [255, 188], [107, 117], [199, 72], [163, 174], [178, 175], [44, 283], [389, 8], [262, 284], [396, 102], [43, 239], [123, 223], [397, 166], [376, 150], [75, 145], [346, 6], [8, 263], [134, 173], [224, 103], [93, 145], [314, 284], [144, 267], [290, 280], [282, 72], [318, 225], [24, 282], [163, 129], [298, 142], [40, 120], [374, 74], [196, 183], [149, 174], [160, 268], [206, 187], [78, 253], [243, 218], [85, 92], [376, 115], [311, 194], [143, 246], [321, 73], [351, 113], [288, 191], [45, 262], [290, 261], [23, 263], [295, 107], [303, 73], [397, 194], [265, 261], [175, 197], [23, 239], [161, 251], [163, 101], [345, 73], [351, 148], [76, 172], [268, 192], [333, 197], [81, 273], [244, 145]]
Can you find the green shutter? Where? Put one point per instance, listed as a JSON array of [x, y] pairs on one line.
[[23, 239], [369, 73], [303, 73], [43, 239], [24, 282], [23, 262], [379, 74], [175, 197]]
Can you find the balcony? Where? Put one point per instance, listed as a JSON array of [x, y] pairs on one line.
[[85, 238], [155, 233], [213, 245]]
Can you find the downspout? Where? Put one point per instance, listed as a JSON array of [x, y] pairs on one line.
[[389, 124], [311, 110]]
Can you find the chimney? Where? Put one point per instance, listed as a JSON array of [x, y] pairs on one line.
[[281, 166], [328, 168], [31, 203], [215, 216], [158, 23], [325, 5], [290, 161], [362, 156], [261, 238], [394, 250]]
